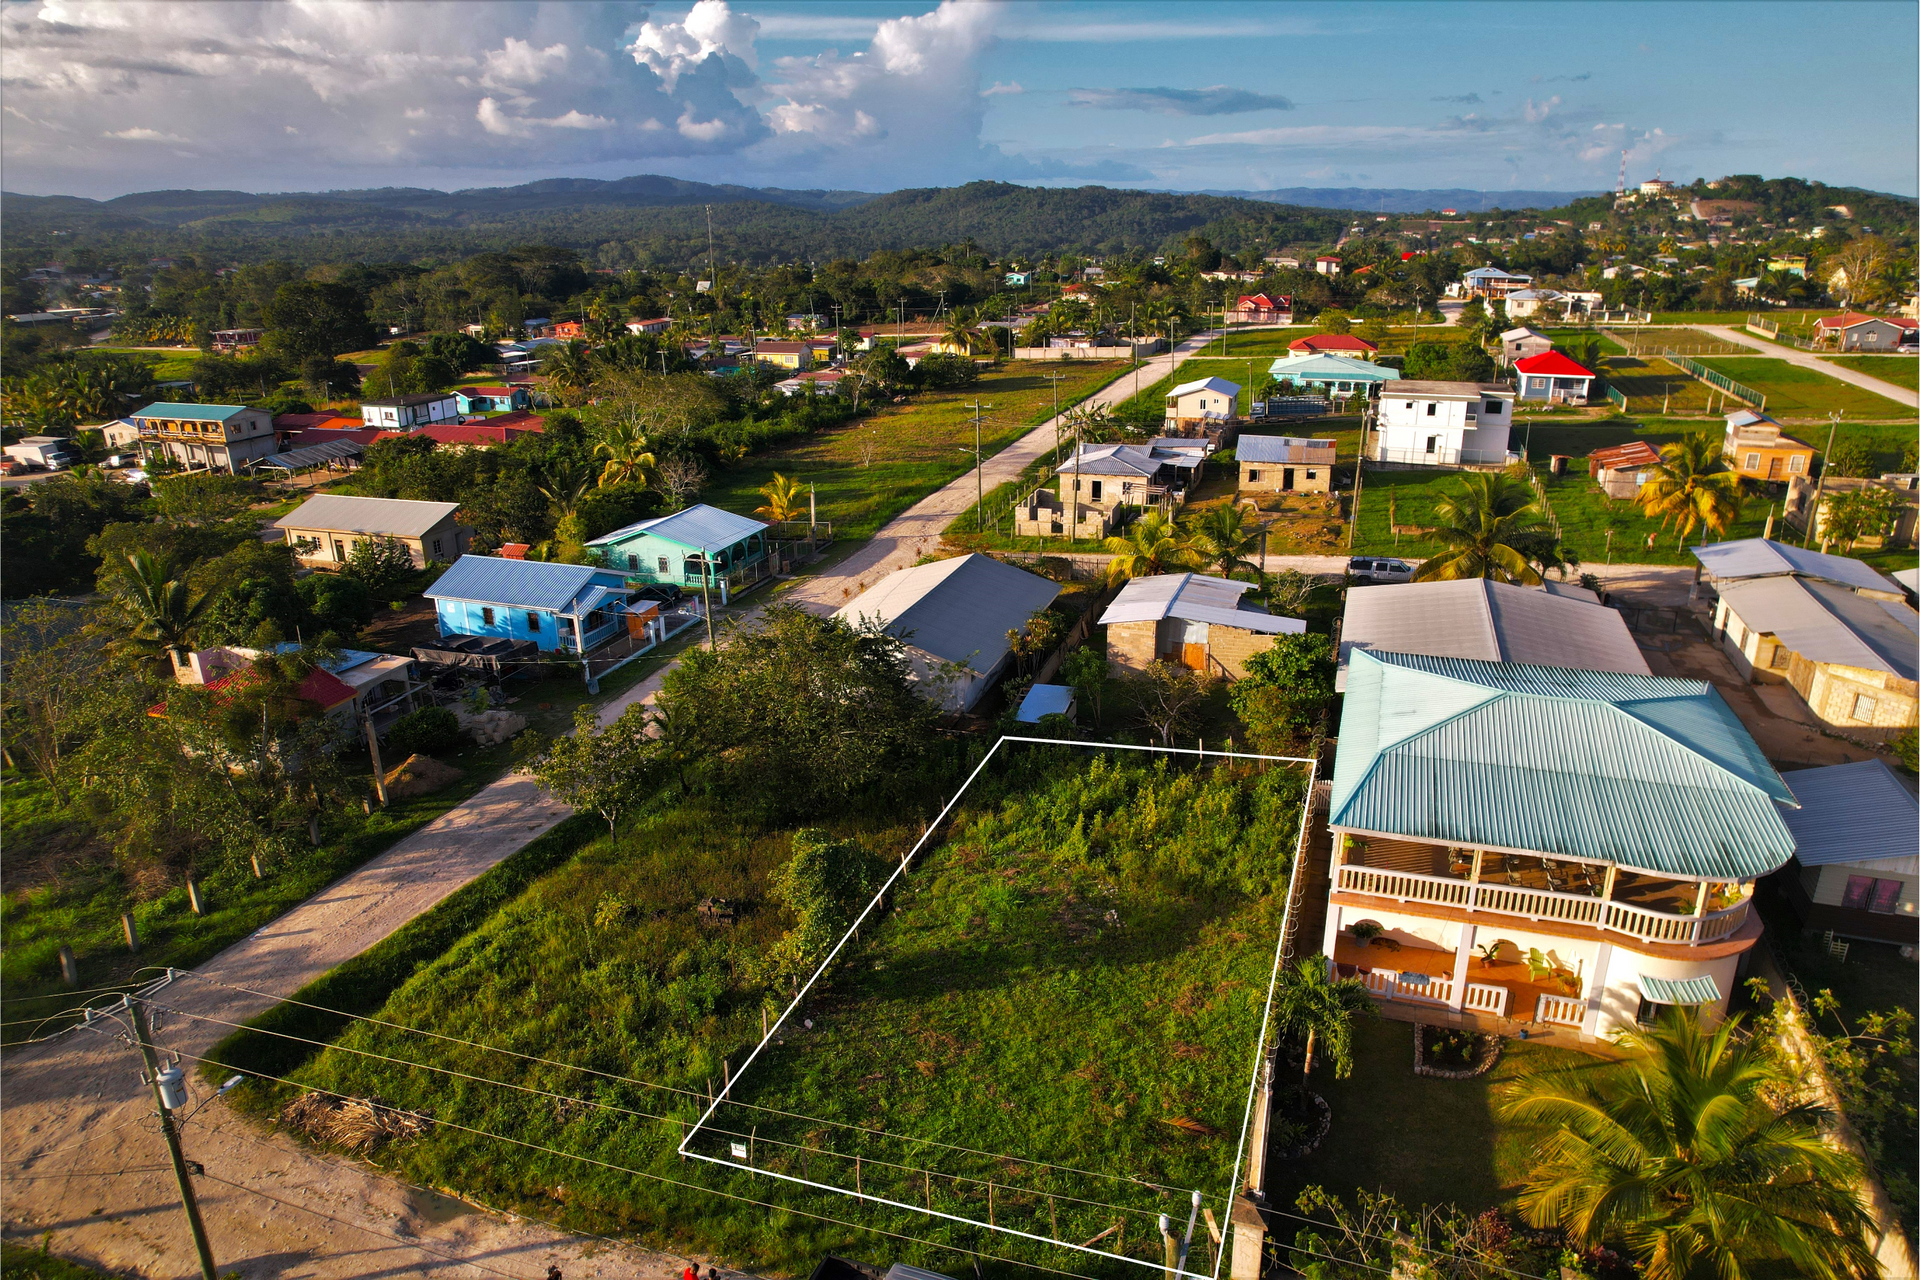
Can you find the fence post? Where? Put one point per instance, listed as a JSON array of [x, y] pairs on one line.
[[133, 933]]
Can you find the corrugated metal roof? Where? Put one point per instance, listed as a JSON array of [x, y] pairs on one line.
[[517, 584], [1322, 366], [313, 455], [1765, 558], [1826, 623], [1653, 772], [701, 527], [189, 412], [958, 610], [1459, 390], [1490, 622], [1283, 449], [1126, 460], [1194, 597], [1700, 990], [1220, 385], [1859, 812], [1045, 700], [397, 517], [1908, 578]]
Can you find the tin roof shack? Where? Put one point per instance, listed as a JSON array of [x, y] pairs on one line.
[[1108, 476], [1621, 469], [1490, 622], [1856, 870], [954, 616], [1285, 464], [1193, 619], [679, 549], [326, 528], [570, 608]]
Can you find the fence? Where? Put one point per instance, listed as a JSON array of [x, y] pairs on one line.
[[1761, 325], [1738, 390], [1540, 497], [1618, 396], [1626, 315]]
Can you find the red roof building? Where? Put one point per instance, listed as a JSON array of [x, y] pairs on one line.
[[1554, 378], [1258, 308], [1334, 344], [468, 435], [325, 435], [322, 688]]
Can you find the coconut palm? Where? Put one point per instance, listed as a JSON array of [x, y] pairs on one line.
[[963, 336], [569, 367], [784, 500], [1693, 1155], [1221, 540], [161, 615], [1480, 526], [1688, 488], [628, 452], [1316, 1009], [1150, 545]]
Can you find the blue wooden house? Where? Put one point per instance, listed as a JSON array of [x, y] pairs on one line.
[[491, 399], [570, 607], [700, 546]]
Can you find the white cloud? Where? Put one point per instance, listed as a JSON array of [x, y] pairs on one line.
[[143, 135], [996, 89]]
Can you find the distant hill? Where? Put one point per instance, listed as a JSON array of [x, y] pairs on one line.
[[1402, 200]]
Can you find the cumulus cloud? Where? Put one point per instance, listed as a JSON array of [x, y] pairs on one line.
[[1215, 100], [996, 89]]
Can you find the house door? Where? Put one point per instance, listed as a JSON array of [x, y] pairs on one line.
[[1286, 480], [340, 551], [1193, 656], [1773, 467]]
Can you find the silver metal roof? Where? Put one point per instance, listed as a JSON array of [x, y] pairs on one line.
[[339, 513], [1127, 460], [518, 584], [958, 610], [1765, 558], [1700, 990], [1908, 578], [313, 455], [1194, 597], [1827, 623], [1490, 622], [1859, 812], [1651, 772], [1220, 385], [699, 527], [1444, 390], [1045, 700], [1281, 449]]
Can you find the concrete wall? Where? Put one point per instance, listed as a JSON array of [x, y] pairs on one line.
[[1130, 646], [1270, 477], [1230, 647]]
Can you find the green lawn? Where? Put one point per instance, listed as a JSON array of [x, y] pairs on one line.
[[19, 1262], [867, 472], [1795, 392], [1427, 1141], [1901, 371], [1652, 385]]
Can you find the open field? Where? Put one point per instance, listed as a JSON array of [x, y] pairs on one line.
[[1651, 384], [1901, 371], [868, 471], [1794, 392], [1688, 342], [1136, 903]]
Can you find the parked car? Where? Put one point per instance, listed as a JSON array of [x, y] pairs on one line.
[[665, 594], [1368, 569]]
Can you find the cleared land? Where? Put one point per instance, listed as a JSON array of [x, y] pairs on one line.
[[1794, 392], [1902, 371]]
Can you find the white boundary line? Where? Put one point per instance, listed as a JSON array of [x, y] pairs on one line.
[[1306, 809]]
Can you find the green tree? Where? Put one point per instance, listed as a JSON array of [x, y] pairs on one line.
[[1692, 1155], [569, 367], [1688, 488], [783, 500], [605, 771], [1151, 545], [824, 885], [1086, 670], [159, 617], [337, 604], [628, 453], [1850, 458], [1479, 525], [384, 566], [1221, 541], [1285, 691], [1316, 1010], [309, 318], [205, 498], [1867, 512]]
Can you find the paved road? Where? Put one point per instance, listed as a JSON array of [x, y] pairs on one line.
[[1807, 360]]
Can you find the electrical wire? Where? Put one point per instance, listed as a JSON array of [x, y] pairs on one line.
[[58, 995]]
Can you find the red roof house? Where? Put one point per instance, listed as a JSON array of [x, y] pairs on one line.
[[467, 435], [1551, 376], [1258, 308], [321, 687], [1333, 344]]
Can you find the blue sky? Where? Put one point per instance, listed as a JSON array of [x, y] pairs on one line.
[[103, 97]]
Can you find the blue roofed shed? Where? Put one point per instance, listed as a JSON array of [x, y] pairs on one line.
[[1046, 700], [569, 607], [678, 549]]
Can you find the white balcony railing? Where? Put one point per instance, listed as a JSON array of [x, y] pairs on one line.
[[1485, 997], [1389, 985], [1564, 1011], [1543, 904]]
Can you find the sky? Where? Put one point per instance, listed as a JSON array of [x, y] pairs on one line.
[[103, 97]]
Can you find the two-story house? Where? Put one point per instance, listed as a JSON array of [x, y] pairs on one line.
[[1443, 424], [205, 437], [1204, 406], [1261, 308], [1758, 449], [1108, 476], [404, 413], [700, 546], [1514, 842]]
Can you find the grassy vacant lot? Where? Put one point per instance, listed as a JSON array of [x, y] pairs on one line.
[[1901, 371], [1794, 392], [1426, 1141], [1134, 906], [1651, 383], [1688, 342], [866, 473], [65, 889]]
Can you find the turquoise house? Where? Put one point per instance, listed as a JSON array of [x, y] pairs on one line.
[[700, 546], [1336, 375], [570, 607]]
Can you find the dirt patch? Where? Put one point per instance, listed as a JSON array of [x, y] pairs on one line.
[[399, 632], [417, 775], [1787, 743]]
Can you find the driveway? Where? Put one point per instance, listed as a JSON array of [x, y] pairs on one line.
[[1807, 360]]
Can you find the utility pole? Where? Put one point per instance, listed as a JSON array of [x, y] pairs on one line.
[[379, 770], [979, 472], [1819, 486], [712, 268], [706, 595], [143, 1036], [1055, 379]]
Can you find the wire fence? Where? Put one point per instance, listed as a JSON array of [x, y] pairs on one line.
[[1738, 390], [1760, 324], [1618, 397]]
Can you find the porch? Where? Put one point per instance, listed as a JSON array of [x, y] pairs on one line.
[[1415, 983], [1601, 897]]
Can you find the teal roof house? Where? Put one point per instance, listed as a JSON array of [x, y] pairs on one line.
[[1336, 375], [1519, 843], [701, 546]]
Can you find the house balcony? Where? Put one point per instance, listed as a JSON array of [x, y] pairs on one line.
[[1556, 894], [1420, 982]]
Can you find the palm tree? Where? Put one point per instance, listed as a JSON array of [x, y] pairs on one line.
[[963, 335], [1687, 487], [161, 615], [783, 500], [570, 367], [1693, 1154], [1313, 1007], [1480, 526], [1151, 545], [1221, 540], [628, 452]]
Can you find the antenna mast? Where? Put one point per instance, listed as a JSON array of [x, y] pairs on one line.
[[1620, 188]]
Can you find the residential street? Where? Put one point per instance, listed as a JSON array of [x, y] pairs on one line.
[[1807, 360]]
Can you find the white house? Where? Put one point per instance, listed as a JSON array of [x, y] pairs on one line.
[[1209, 402], [1522, 303], [403, 413], [1443, 424]]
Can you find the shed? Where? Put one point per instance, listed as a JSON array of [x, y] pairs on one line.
[[570, 607], [1856, 868], [1046, 700], [1764, 558], [325, 529], [954, 616], [1285, 464], [1193, 619], [1621, 469]]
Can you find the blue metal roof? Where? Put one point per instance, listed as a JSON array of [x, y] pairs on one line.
[[1044, 700], [698, 528], [1331, 368], [1859, 812], [189, 412], [1701, 990], [1652, 772], [518, 584]]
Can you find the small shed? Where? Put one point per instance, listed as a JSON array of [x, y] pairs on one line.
[[1192, 619], [1202, 403], [1046, 700], [1855, 868], [1518, 344], [1285, 464], [1621, 469]]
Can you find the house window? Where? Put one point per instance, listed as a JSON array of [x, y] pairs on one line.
[[1094, 490], [1752, 462], [1432, 408], [1493, 408], [436, 548], [1409, 404], [533, 621], [1797, 463], [1433, 444], [1886, 896], [1863, 708], [663, 564], [486, 615], [1253, 475], [1313, 475], [1782, 658]]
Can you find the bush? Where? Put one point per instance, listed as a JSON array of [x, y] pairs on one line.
[[430, 731]]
